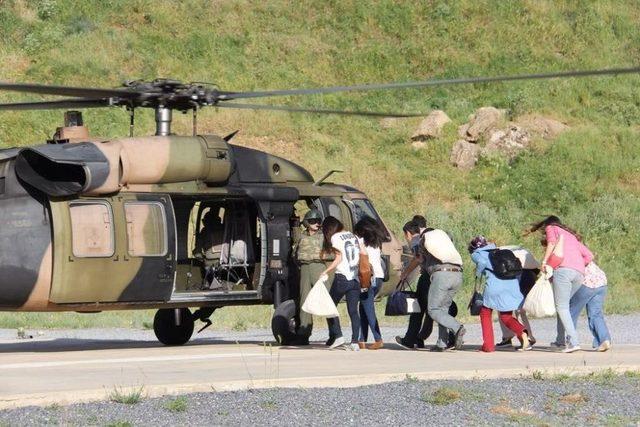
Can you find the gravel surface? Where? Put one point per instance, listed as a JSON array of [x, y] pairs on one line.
[[600, 399], [622, 330]]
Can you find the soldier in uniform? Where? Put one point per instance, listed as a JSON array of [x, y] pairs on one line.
[[311, 263]]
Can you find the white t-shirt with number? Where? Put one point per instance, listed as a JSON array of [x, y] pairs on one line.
[[347, 244]]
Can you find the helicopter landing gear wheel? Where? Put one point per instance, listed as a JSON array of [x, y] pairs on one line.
[[283, 324], [173, 326]]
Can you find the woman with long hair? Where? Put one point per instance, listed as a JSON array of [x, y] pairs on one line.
[[567, 275], [346, 247], [369, 231]]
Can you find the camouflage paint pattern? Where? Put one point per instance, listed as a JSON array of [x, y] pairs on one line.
[[38, 273]]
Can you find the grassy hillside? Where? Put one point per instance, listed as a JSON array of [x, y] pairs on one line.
[[590, 176]]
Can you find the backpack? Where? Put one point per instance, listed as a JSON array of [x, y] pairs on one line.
[[504, 264]]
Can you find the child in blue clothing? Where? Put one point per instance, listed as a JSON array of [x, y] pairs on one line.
[[502, 295]]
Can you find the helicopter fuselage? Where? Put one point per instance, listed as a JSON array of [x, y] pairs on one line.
[[111, 225]]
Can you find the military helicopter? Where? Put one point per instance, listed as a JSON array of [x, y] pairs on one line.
[[92, 224]]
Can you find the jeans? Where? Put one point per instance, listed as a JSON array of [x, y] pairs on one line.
[[421, 324], [566, 282], [368, 312], [593, 299], [341, 287], [444, 285], [506, 318]]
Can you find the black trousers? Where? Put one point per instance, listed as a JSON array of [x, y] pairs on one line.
[[421, 324]]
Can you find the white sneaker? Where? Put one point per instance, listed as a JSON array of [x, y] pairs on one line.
[[337, 343], [354, 347], [606, 345], [524, 340], [571, 349]]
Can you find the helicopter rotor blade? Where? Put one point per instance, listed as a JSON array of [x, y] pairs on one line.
[[52, 105], [81, 92], [425, 83], [315, 110]]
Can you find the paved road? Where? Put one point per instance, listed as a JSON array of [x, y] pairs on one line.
[[46, 370]]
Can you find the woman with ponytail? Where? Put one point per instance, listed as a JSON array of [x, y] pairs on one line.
[[568, 274]]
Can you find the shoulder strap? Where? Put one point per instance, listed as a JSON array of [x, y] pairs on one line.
[[402, 284]]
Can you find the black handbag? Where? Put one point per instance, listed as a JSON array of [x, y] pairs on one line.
[[397, 302], [477, 301]]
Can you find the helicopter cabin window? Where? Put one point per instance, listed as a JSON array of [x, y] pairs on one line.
[[91, 229], [330, 207], [146, 229]]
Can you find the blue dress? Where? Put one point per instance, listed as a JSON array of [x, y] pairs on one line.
[[499, 294]]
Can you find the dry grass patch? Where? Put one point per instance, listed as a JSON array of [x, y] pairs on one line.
[[508, 411], [574, 398], [442, 396]]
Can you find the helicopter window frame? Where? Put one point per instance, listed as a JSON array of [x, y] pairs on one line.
[[362, 207], [163, 216], [112, 233]]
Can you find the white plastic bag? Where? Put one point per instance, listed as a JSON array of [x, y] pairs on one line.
[[319, 302], [540, 302]]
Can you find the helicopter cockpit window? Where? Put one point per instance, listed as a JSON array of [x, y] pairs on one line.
[[361, 208], [146, 229], [92, 229]]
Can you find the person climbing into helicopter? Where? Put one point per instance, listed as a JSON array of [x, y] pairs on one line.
[[420, 324], [443, 263], [346, 248], [309, 258], [372, 236]]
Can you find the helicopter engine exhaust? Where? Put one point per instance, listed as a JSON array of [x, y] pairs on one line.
[[97, 168]]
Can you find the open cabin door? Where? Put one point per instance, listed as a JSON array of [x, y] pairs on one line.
[[113, 249]]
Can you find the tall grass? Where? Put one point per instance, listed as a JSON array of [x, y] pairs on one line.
[[590, 175]]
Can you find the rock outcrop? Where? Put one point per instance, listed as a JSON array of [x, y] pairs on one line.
[[464, 154], [507, 142], [481, 124], [541, 126], [489, 127], [431, 126]]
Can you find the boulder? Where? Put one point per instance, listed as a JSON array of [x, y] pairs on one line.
[[482, 122], [462, 130], [465, 154], [541, 126], [507, 142], [431, 126]]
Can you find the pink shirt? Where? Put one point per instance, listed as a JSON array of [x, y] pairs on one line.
[[576, 255]]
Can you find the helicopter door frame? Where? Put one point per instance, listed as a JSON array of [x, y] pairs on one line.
[[98, 254]]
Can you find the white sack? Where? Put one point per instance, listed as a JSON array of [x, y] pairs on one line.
[[319, 302], [540, 302], [439, 244]]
